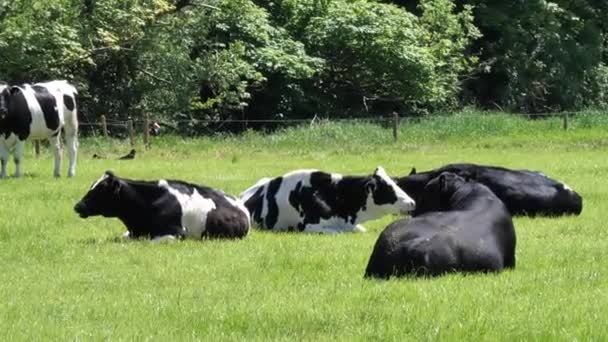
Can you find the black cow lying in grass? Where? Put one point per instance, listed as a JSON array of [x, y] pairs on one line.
[[165, 209], [466, 228], [523, 192]]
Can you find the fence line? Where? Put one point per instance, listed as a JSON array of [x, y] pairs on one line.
[[144, 124]]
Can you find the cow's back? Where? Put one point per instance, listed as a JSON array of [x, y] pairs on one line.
[[472, 240]]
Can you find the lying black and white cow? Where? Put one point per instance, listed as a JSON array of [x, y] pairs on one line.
[[165, 209], [38, 111], [319, 202], [466, 228], [524, 192]]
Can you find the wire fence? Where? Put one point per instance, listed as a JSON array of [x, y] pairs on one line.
[[150, 126]]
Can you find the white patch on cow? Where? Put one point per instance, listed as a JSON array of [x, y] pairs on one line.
[[38, 129], [195, 209], [288, 216], [105, 175], [566, 187], [336, 177]]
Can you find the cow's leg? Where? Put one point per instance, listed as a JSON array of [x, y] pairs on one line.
[[18, 155], [4, 154], [56, 146], [71, 141]]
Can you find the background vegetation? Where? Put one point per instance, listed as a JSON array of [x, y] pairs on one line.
[[191, 61], [67, 278]]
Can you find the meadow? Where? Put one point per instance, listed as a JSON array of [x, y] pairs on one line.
[[65, 278]]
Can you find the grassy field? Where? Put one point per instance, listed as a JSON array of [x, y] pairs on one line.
[[68, 278]]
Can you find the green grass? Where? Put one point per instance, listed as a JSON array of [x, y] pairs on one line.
[[68, 278]]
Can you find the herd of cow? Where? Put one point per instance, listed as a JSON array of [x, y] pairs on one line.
[[461, 214]]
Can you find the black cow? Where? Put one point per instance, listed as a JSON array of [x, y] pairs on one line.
[[466, 228], [165, 209], [313, 201], [524, 192], [38, 111]]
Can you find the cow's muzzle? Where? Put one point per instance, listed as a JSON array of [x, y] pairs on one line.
[[81, 209]]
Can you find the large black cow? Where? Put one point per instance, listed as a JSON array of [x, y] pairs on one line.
[[317, 202], [38, 111], [165, 209], [466, 228], [524, 192]]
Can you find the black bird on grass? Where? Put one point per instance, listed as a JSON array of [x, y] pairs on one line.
[[130, 155]]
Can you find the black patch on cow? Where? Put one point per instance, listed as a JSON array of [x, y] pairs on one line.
[[311, 202], [48, 104], [19, 118], [271, 197], [255, 204], [68, 102]]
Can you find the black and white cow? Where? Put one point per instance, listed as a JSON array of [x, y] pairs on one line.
[[38, 111], [165, 209], [319, 202], [524, 192], [466, 228]]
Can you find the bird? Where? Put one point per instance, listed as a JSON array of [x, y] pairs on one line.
[[130, 155]]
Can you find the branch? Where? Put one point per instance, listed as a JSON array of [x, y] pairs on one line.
[[151, 75], [181, 4]]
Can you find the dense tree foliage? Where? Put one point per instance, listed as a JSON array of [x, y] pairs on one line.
[[195, 61]]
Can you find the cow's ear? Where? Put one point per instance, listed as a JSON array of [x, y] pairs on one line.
[[115, 185], [413, 172], [370, 185], [110, 173], [442, 183]]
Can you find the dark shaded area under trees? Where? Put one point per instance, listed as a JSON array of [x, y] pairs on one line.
[[191, 63]]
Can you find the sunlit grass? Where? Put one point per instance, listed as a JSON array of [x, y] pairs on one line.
[[68, 278]]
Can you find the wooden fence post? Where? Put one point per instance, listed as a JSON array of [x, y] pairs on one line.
[[565, 121], [395, 125], [37, 148], [104, 126], [146, 129], [131, 132]]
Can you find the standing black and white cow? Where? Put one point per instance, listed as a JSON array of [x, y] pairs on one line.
[[466, 228], [319, 202], [38, 111], [524, 192], [165, 209]]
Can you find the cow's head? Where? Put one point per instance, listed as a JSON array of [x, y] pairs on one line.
[[387, 195], [438, 193], [4, 94], [101, 198]]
